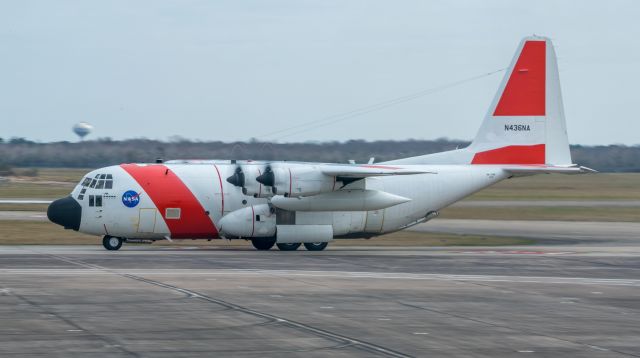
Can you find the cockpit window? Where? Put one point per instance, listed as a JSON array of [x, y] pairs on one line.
[[101, 181]]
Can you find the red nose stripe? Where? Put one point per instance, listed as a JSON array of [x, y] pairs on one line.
[[524, 94], [166, 190], [513, 154]]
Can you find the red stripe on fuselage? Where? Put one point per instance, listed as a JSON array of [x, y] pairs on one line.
[[524, 93], [513, 154], [167, 190]]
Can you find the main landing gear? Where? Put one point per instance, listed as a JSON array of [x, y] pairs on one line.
[[288, 247], [263, 243], [266, 243], [112, 243], [316, 246]]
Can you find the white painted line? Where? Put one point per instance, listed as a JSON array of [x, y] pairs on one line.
[[420, 333], [75, 330], [10, 201], [598, 348], [335, 274], [526, 351]]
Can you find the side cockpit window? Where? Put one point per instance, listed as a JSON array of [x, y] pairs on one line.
[[95, 200]]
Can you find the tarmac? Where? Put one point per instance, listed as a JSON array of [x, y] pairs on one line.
[[167, 301]]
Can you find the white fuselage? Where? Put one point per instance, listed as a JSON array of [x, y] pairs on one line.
[[202, 197]]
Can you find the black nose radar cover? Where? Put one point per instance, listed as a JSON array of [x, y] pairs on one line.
[[66, 212]]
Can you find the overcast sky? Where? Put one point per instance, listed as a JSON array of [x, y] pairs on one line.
[[232, 70]]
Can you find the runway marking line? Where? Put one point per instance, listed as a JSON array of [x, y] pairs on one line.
[[335, 274]]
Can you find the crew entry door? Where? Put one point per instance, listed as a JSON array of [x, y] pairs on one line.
[[147, 221]]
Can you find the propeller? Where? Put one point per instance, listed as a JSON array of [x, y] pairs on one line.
[[267, 178], [237, 178]]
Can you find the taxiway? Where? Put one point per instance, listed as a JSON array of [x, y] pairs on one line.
[[188, 301]]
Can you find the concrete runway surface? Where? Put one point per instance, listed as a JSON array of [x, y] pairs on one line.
[[163, 301]]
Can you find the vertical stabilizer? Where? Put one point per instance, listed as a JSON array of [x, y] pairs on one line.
[[525, 123]]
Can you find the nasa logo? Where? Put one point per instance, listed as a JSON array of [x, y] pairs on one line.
[[130, 198]]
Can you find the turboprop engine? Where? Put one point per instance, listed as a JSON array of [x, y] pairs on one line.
[[252, 221], [296, 181], [245, 177], [287, 180]]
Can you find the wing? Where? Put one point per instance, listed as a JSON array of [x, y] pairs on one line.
[[363, 171]]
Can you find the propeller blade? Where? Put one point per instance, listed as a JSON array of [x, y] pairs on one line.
[[267, 178], [237, 178]]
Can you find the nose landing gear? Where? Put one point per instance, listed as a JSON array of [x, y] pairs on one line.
[[111, 243]]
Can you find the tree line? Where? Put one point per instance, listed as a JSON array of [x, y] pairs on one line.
[[20, 152]]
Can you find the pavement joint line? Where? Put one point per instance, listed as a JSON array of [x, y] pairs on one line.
[[363, 345]]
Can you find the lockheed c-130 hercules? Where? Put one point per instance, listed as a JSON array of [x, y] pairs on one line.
[[292, 203]]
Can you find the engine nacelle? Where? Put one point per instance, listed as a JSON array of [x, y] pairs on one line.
[[304, 180], [252, 221]]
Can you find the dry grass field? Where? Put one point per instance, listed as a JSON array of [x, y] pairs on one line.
[[598, 186], [557, 213]]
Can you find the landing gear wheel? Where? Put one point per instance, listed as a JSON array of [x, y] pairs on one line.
[[111, 243], [316, 246], [288, 247], [263, 243]]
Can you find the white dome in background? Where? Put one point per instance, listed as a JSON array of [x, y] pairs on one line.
[[82, 129]]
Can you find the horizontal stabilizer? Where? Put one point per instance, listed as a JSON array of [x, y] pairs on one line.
[[545, 169]]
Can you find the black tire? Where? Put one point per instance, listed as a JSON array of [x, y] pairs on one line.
[[316, 246], [112, 243], [263, 243], [288, 247]]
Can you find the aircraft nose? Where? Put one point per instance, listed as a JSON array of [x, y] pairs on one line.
[[66, 212]]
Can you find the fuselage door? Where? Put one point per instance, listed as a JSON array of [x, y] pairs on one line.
[[147, 221]]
